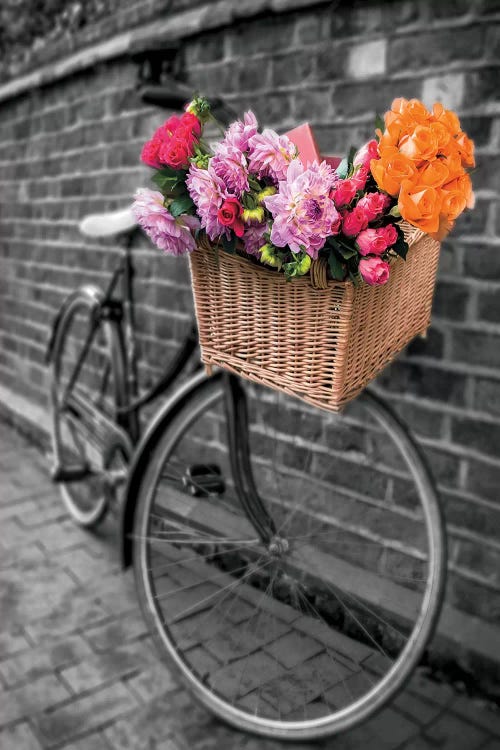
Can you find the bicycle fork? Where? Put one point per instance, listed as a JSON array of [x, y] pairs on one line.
[[239, 452]]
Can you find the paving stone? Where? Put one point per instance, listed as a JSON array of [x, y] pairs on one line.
[[86, 567], [70, 614], [18, 737], [130, 626], [84, 714], [293, 648], [11, 643], [94, 741], [97, 669], [451, 733], [148, 727], [478, 712], [31, 698], [60, 536], [31, 664], [153, 682]]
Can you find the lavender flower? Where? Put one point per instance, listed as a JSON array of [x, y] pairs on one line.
[[229, 163], [208, 193], [304, 215], [172, 235], [253, 238], [239, 133]]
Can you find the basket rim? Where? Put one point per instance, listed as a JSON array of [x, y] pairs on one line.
[[413, 235]]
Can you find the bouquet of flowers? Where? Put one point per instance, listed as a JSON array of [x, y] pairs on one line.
[[254, 195]]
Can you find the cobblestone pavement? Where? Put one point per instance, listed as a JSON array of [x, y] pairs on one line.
[[78, 669]]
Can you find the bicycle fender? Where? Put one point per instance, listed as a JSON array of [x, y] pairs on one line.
[[142, 455], [94, 294]]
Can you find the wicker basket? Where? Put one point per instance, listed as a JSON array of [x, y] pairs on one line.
[[322, 345]]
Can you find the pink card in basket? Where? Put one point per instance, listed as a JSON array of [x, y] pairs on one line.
[[303, 137]]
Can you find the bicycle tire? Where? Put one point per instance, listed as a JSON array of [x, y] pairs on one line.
[[87, 500], [165, 591]]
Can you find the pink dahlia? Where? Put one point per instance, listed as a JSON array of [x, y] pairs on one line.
[[239, 133], [270, 154], [172, 235], [229, 163], [304, 215], [208, 193]]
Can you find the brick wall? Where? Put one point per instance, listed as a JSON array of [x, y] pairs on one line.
[[71, 147]]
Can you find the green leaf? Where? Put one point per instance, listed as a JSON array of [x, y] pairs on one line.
[[379, 123], [395, 212], [352, 153], [182, 205], [401, 246], [336, 267], [229, 245]]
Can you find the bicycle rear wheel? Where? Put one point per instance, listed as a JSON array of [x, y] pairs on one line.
[[88, 447], [312, 632]]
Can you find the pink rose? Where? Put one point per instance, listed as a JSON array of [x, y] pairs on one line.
[[391, 235], [336, 223], [374, 205], [359, 178], [376, 241], [365, 154], [343, 193], [354, 222], [371, 241], [374, 271]]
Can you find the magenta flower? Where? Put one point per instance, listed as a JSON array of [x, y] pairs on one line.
[[239, 133], [208, 193], [253, 238], [172, 235], [270, 154], [229, 163], [304, 215], [374, 271]]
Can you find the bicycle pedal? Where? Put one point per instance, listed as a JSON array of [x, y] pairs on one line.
[[202, 480], [70, 473]]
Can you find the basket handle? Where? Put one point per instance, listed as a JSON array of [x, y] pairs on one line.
[[319, 274]]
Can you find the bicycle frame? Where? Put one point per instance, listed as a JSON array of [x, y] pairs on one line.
[[121, 309]]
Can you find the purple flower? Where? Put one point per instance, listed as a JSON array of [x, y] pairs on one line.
[[208, 193], [253, 238], [270, 154], [239, 133], [304, 215], [172, 235], [229, 163]]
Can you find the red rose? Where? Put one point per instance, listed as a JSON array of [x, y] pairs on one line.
[[190, 126], [176, 152], [229, 215]]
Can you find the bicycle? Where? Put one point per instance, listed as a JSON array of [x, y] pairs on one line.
[[293, 574]]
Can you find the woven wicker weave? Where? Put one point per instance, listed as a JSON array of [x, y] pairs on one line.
[[322, 345]]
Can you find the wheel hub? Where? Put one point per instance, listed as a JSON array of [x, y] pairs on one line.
[[278, 546]]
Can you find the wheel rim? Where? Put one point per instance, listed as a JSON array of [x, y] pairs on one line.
[[267, 638], [82, 440]]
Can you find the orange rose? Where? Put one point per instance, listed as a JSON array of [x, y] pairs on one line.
[[447, 118], [390, 171], [421, 145], [452, 203], [434, 174], [463, 185], [420, 205], [411, 110], [442, 135], [454, 163], [465, 148]]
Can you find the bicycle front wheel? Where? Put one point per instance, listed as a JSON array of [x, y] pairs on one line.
[[311, 632]]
